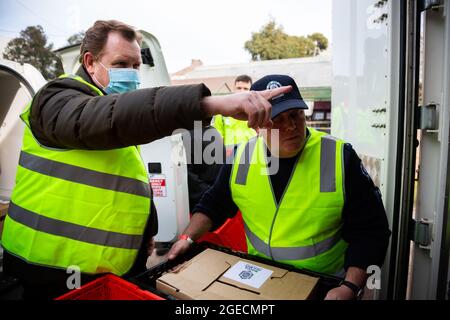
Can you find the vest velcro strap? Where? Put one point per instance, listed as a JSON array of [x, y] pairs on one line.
[[291, 253], [244, 163], [84, 176], [328, 164], [73, 231]]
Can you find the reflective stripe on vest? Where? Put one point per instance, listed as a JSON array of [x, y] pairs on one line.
[[73, 231], [304, 228], [291, 253], [244, 163], [82, 175], [86, 208], [327, 164]]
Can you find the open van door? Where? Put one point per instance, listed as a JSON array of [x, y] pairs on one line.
[[384, 51], [18, 84], [429, 260], [165, 159]]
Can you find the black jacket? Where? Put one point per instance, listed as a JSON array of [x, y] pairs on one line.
[[201, 175], [67, 114]]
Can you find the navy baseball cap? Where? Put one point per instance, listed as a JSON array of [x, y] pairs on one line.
[[285, 101]]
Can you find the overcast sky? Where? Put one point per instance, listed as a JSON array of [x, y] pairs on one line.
[[212, 31]]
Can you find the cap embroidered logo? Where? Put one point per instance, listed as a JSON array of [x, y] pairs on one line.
[[273, 85]]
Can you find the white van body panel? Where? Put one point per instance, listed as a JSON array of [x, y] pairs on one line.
[[18, 83]]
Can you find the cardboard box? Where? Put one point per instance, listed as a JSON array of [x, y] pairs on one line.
[[214, 275]]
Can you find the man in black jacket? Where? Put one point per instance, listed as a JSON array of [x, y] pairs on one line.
[[68, 114]]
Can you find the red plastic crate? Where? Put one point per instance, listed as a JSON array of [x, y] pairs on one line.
[[109, 287], [231, 234]]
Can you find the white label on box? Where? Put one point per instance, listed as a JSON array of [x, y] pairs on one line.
[[248, 274]]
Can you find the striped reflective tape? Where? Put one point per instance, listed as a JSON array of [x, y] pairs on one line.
[[73, 231], [83, 176], [291, 253]]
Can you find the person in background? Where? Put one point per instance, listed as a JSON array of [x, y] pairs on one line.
[[232, 130]]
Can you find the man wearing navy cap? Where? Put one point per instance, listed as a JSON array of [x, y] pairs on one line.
[[319, 210]]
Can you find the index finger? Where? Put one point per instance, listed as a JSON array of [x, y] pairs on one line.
[[270, 93], [267, 109]]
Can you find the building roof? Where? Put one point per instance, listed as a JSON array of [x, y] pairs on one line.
[[313, 75]]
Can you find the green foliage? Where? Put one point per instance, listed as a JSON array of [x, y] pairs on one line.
[[76, 38], [271, 42], [31, 47]]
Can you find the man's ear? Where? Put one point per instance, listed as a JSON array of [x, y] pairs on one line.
[[88, 62]]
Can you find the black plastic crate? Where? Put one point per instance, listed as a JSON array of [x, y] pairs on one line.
[[147, 279]]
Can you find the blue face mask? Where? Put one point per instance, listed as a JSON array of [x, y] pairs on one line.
[[121, 80]]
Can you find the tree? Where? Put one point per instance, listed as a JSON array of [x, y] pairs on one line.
[[319, 40], [76, 38], [31, 47], [267, 44], [271, 42]]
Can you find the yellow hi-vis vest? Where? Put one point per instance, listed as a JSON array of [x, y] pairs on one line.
[[302, 230], [233, 131], [77, 207]]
